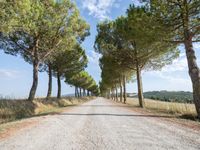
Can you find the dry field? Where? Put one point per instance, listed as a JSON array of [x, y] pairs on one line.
[[16, 109], [182, 109]]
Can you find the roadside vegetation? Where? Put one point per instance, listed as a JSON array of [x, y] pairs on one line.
[[180, 110], [148, 38], [11, 110]]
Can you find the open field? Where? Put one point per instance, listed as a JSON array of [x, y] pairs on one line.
[[179, 109], [16, 109]]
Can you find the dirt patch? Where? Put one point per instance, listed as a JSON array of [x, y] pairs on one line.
[[9, 129]]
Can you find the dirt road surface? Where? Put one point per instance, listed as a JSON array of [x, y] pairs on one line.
[[101, 124]]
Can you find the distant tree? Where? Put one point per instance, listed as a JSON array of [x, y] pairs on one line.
[[82, 80], [70, 61]]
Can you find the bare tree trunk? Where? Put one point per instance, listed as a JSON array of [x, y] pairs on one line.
[[110, 96], [193, 70], [88, 93], [35, 72], [113, 94], [59, 85], [35, 81], [140, 89], [124, 86], [84, 92], [75, 94], [49, 92], [121, 95], [80, 92], [116, 93]]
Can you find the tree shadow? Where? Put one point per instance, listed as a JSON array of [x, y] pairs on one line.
[[189, 117], [115, 115], [126, 106]]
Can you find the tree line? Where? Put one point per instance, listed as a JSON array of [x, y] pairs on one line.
[[170, 96], [147, 38], [48, 35]]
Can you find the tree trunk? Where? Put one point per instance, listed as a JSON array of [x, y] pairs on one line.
[[84, 92], [80, 92], [75, 94], [113, 94], [124, 86], [140, 89], [193, 71], [35, 81], [121, 95], [88, 93], [49, 92], [59, 85], [35, 72], [116, 93], [110, 94]]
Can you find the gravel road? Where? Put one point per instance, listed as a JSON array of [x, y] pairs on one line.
[[103, 125]]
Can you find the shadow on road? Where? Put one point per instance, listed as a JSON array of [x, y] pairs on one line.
[[101, 106], [117, 115]]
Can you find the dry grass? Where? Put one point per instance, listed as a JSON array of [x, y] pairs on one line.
[[179, 109], [16, 109]]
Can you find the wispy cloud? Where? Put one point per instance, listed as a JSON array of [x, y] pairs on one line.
[[6, 73], [170, 77], [179, 64], [100, 9], [174, 72]]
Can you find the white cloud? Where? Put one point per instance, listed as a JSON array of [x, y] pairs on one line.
[[171, 78], [179, 64], [100, 9], [93, 57], [175, 72], [5, 73]]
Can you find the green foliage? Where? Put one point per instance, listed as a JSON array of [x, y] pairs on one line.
[[44, 33], [130, 44], [82, 80], [177, 17], [70, 61], [170, 96]]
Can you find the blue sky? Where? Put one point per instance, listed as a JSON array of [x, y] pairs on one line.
[[16, 74]]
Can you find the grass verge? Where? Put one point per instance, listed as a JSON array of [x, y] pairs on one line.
[[181, 110], [11, 110]]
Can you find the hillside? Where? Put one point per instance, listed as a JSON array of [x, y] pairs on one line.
[[170, 96]]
